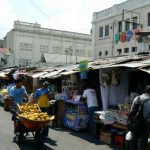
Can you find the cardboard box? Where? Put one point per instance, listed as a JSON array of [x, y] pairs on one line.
[[106, 137]]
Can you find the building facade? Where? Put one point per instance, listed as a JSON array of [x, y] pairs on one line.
[[30, 43], [116, 31]]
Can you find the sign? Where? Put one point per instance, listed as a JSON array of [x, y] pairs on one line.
[[126, 36], [75, 121], [83, 65], [129, 35], [83, 69], [123, 36], [117, 37]]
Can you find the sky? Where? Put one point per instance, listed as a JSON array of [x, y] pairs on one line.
[[68, 15]]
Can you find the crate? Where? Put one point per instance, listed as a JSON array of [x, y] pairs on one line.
[[106, 137]]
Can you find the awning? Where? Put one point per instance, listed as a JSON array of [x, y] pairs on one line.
[[52, 75], [68, 72], [36, 75]]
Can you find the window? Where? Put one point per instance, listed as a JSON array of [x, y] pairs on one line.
[[101, 32], [126, 50], [134, 49], [120, 26], [106, 53], [148, 15], [100, 53], [119, 51], [107, 30], [134, 22], [44, 47], [127, 25], [26, 46], [57, 49]]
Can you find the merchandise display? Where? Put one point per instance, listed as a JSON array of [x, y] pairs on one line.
[[75, 115]]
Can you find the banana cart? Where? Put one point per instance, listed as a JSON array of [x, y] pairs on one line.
[[23, 125]]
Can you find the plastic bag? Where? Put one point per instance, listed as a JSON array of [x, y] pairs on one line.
[[128, 136]]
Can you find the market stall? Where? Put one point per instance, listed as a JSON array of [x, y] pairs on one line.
[[119, 85]]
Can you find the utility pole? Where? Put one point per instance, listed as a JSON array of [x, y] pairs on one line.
[[66, 51]]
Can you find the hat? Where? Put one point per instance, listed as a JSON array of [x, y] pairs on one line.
[[45, 83]]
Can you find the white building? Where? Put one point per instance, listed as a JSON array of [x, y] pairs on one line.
[[30, 44], [114, 30]]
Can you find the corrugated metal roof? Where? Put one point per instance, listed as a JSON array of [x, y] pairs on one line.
[[3, 75], [52, 74], [68, 72], [129, 61], [146, 70], [139, 62], [36, 75]]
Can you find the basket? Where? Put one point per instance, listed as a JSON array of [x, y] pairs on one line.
[[32, 124]]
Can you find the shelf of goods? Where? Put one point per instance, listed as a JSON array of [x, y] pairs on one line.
[[75, 115]]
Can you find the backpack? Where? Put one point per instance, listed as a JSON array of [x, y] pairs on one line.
[[137, 119], [146, 111]]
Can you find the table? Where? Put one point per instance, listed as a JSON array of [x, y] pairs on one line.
[[97, 124]]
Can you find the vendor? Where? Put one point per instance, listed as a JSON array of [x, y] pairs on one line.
[[18, 93], [42, 97], [92, 104]]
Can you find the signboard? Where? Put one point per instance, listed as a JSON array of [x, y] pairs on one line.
[[73, 121], [83, 65]]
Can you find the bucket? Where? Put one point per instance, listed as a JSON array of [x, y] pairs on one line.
[[7, 104]]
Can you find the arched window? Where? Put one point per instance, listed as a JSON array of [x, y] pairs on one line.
[[100, 53], [106, 53]]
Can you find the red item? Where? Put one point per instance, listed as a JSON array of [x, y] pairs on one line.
[[123, 37], [119, 141]]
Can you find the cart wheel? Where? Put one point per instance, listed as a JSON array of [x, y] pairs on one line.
[[19, 138], [38, 139]]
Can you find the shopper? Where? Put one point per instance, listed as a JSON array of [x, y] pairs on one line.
[[42, 97], [18, 93], [143, 133], [92, 104]]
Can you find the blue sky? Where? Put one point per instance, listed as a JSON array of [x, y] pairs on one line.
[[69, 15]]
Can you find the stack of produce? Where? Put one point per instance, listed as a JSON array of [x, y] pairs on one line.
[[32, 112], [4, 92]]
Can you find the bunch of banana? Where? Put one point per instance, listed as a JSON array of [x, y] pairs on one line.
[[42, 116], [4, 92], [25, 107]]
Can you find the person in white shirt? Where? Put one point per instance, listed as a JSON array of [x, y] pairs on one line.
[[92, 104]]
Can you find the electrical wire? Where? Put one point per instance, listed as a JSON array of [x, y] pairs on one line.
[[40, 9], [33, 3]]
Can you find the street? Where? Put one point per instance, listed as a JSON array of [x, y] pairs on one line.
[[59, 139]]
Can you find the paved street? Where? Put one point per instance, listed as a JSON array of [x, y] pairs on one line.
[[60, 139]]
